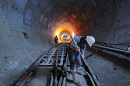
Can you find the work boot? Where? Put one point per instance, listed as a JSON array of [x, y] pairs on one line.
[[78, 83], [75, 80], [78, 72]]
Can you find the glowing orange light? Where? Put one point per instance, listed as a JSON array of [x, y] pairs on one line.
[[64, 31], [74, 16], [68, 39]]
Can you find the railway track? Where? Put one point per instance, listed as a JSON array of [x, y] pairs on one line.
[[52, 69]]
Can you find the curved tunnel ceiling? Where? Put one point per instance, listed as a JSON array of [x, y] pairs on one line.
[[67, 14], [28, 27]]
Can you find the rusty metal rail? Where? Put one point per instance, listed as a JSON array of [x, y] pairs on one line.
[[57, 59], [32, 68], [61, 71]]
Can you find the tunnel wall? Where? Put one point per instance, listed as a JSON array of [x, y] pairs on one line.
[[110, 28], [111, 24], [21, 38], [26, 28]]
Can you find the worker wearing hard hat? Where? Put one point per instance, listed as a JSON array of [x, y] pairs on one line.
[[74, 56]]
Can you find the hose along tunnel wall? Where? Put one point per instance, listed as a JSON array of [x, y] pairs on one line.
[[27, 29]]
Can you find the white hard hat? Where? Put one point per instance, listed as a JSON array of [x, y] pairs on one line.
[[90, 40]]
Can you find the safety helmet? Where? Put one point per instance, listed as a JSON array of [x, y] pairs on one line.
[[90, 40]]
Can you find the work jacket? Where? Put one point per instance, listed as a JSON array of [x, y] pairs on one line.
[[81, 42]]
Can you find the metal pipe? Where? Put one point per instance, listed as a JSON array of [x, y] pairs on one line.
[[91, 73], [92, 82], [113, 49]]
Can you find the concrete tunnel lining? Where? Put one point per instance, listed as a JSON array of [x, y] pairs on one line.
[[107, 20]]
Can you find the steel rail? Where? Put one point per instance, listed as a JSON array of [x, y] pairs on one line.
[[62, 77], [30, 70], [59, 75], [55, 68]]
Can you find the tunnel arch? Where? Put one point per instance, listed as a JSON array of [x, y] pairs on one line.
[[26, 29]]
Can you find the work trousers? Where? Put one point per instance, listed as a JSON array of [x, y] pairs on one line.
[[75, 60]]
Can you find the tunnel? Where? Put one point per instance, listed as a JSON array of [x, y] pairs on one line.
[[28, 28]]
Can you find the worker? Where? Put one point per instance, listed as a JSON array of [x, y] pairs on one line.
[[74, 55], [56, 40]]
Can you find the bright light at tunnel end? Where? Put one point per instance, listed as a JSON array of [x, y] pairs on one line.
[[63, 34], [73, 34]]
